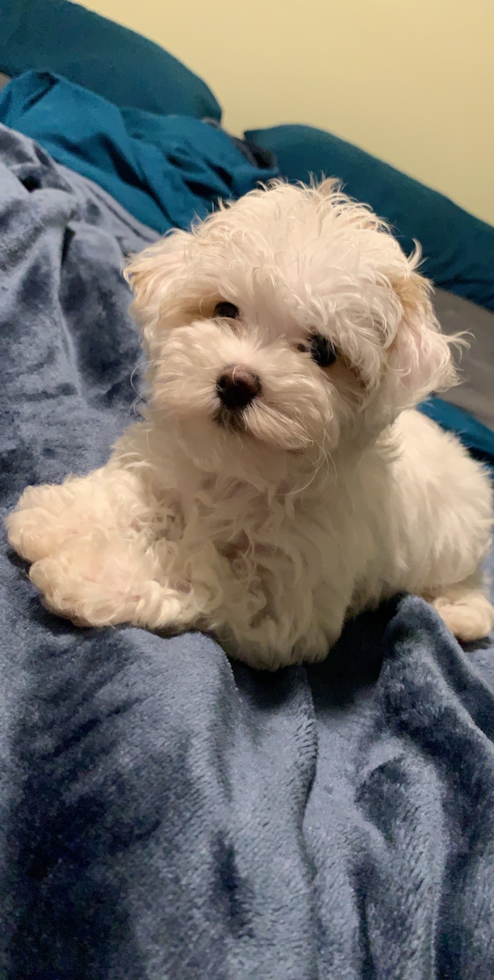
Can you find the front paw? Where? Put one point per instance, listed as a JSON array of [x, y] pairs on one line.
[[38, 526], [93, 581]]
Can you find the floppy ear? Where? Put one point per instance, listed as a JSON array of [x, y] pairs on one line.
[[419, 355], [154, 275]]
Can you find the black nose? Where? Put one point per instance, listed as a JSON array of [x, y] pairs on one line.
[[237, 386]]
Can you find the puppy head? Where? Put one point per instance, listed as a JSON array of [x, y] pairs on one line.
[[290, 320]]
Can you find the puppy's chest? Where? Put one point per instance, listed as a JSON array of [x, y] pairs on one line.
[[256, 531]]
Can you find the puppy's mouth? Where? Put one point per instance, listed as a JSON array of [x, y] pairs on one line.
[[242, 406], [232, 420]]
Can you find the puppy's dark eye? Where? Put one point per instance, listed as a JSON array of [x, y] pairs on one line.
[[228, 310], [322, 351]]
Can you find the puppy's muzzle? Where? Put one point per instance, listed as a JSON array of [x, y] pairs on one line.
[[237, 387]]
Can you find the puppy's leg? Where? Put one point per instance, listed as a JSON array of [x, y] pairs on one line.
[[281, 637], [465, 608], [95, 579], [47, 516], [104, 579], [93, 548]]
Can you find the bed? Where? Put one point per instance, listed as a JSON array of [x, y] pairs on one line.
[[166, 812]]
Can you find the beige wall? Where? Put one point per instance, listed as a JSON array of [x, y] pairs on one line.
[[411, 81]]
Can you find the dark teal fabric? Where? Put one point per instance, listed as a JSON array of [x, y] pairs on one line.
[[475, 436], [127, 69], [458, 248], [165, 170]]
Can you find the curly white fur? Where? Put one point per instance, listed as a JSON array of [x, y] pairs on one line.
[[326, 493]]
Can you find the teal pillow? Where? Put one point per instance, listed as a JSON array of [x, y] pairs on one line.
[[123, 67], [458, 248]]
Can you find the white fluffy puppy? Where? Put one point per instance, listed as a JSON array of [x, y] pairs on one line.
[[280, 480]]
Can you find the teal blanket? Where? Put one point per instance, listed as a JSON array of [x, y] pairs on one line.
[[165, 170]]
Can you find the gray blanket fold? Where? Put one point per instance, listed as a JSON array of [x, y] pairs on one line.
[[168, 815]]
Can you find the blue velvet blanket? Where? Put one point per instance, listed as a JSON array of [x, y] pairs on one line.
[[166, 814]]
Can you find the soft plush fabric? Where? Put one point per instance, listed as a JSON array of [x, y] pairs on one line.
[[458, 248], [472, 433], [475, 394], [164, 813], [165, 170], [127, 69]]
